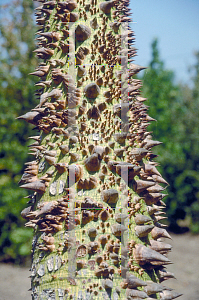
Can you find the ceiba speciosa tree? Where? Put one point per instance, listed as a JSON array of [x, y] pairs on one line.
[[96, 201]]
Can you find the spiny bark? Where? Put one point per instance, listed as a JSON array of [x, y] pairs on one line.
[[97, 201]]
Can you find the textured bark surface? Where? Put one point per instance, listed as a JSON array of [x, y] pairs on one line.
[[97, 196], [187, 274]]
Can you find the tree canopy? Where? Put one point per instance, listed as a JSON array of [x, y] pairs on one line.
[[16, 97]]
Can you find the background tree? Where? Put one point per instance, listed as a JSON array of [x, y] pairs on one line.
[[175, 107], [16, 97]]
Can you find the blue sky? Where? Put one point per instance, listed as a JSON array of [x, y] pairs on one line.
[[176, 25]]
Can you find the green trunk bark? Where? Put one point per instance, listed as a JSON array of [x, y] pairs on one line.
[[97, 198]]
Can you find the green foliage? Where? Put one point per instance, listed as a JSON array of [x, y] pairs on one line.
[[16, 98], [176, 109]]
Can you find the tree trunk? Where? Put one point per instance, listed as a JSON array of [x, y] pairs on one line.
[[97, 198]]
